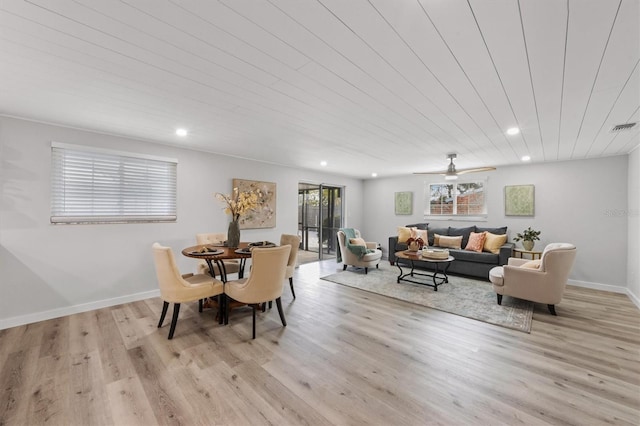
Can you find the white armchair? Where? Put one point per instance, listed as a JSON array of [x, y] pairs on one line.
[[541, 281], [361, 260]]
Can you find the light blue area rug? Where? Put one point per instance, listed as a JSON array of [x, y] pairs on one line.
[[460, 296]]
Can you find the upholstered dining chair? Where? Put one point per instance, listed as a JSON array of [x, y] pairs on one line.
[[176, 288], [231, 266], [294, 242], [541, 281], [265, 283], [355, 251]]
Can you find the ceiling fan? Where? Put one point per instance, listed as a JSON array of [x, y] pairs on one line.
[[451, 172]]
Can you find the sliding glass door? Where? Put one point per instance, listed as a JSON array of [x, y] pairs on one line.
[[320, 215]]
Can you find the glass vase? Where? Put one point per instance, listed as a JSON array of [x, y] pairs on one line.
[[233, 234]]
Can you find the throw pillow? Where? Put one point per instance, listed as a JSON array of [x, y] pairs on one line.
[[450, 242], [419, 233], [403, 234], [493, 242], [532, 264], [357, 242], [476, 242]]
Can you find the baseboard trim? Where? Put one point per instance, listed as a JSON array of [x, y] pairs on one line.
[[607, 287], [76, 309]]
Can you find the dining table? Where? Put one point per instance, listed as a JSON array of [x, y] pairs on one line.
[[218, 253]]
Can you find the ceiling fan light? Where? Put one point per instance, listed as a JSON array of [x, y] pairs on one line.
[[450, 177]]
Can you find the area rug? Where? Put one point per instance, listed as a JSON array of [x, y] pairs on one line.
[[460, 296]]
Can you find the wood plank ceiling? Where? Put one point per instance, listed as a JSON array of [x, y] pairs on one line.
[[386, 86]]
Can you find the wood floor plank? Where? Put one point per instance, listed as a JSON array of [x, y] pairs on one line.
[[347, 356]]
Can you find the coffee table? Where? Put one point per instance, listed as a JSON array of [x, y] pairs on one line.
[[414, 260]]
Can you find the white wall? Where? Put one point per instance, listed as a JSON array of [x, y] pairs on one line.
[[633, 217], [52, 270], [574, 201]]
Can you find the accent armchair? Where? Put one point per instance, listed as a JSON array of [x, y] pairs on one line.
[[363, 255], [541, 281]]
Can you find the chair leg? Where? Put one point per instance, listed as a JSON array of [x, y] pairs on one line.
[[281, 312], [291, 285], [499, 299], [552, 309], [227, 299], [174, 320], [165, 306], [270, 304], [253, 310], [200, 305], [366, 270], [221, 309]]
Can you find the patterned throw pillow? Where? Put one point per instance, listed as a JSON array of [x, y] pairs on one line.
[[493, 242], [357, 242], [476, 242]]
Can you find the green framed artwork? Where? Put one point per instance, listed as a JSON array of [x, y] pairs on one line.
[[404, 202], [519, 200]]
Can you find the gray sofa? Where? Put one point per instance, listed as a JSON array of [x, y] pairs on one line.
[[466, 262]]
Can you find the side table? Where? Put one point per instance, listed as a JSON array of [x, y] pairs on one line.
[[521, 252]]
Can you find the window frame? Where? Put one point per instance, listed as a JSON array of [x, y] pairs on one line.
[[455, 215], [91, 185]]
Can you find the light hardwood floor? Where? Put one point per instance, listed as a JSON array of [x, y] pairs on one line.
[[346, 357]]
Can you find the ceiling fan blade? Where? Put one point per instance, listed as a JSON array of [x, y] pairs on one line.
[[476, 169], [442, 172]]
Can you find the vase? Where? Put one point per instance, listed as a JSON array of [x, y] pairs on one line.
[[233, 234], [528, 245]]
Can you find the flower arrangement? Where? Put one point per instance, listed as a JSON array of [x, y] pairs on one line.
[[415, 241], [240, 203]]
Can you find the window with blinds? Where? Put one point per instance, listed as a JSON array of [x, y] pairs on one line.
[[91, 185]]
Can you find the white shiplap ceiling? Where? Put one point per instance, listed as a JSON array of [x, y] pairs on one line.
[[386, 86]]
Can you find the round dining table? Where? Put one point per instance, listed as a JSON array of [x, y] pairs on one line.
[[219, 253]]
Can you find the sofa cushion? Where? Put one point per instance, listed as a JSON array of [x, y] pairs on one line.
[[496, 231], [464, 232], [419, 225], [493, 242], [433, 231], [448, 242], [476, 242], [472, 256]]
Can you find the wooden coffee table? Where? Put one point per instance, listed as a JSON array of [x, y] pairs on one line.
[[415, 261]]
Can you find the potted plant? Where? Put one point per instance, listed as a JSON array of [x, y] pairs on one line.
[[529, 237], [415, 244]]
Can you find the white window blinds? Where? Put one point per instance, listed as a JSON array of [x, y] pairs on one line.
[[90, 185]]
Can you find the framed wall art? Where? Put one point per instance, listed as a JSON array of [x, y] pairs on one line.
[[404, 202], [519, 200], [265, 215]]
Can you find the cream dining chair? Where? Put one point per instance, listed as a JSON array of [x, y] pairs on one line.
[[265, 282], [176, 288], [294, 242], [231, 266]]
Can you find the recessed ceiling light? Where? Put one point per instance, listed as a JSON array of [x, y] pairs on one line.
[[323, 163], [374, 174], [513, 131], [181, 132], [526, 158]]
